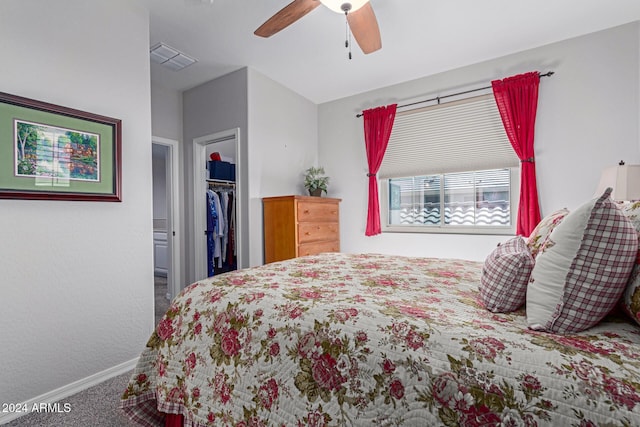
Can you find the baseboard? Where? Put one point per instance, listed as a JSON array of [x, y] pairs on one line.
[[71, 389]]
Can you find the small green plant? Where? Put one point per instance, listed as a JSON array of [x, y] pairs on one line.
[[315, 180]]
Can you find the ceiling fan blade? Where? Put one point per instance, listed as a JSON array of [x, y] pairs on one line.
[[364, 27], [286, 16]]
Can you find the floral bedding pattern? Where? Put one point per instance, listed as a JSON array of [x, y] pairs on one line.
[[360, 340]]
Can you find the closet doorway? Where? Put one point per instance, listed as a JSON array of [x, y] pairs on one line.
[[166, 217], [227, 144]]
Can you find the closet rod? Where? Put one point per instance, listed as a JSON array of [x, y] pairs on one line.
[[438, 98], [214, 183]]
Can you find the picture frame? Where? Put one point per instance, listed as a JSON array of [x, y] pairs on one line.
[[51, 152]]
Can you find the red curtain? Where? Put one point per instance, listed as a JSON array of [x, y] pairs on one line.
[[517, 99], [378, 123]]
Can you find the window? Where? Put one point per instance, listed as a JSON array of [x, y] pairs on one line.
[[452, 202], [450, 168]]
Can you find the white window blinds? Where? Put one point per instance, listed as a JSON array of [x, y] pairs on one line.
[[458, 136]]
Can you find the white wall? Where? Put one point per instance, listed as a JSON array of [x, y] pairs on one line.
[[77, 277], [588, 118], [283, 134]]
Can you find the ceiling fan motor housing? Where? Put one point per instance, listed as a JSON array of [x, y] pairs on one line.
[[344, 6], [361, 20]]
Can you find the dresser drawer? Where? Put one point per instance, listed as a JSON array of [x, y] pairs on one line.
[[300, 225], [318, 247], [317, 212], [317, 231]]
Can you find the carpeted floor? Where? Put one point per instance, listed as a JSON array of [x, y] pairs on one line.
[[94, 407], [99, 405], [161, 301]]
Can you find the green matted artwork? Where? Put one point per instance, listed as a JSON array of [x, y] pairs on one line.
[[49, 152]]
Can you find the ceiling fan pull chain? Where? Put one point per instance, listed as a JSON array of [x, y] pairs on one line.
[[347, 41], [346, 31]]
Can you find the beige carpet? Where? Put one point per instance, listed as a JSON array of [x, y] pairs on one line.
[[161, 301], [98, 406]]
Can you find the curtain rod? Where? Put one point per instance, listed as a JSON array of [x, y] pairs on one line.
[[438, 98]]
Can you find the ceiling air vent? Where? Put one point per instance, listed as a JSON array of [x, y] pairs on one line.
[[170, 57]]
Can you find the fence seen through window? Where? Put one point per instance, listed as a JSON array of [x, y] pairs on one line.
[[474, 199]]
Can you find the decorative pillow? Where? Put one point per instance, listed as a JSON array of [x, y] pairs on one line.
[[632, 211], [505, 275], [540, 235], [583, 270], [630, 300], [631, 297]]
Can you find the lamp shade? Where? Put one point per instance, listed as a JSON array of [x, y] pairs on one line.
[[336, 5], [624, 179]]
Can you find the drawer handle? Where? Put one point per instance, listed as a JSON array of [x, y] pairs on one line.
[[306, 211]]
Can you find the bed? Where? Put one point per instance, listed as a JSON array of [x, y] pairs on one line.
[[368, 339]]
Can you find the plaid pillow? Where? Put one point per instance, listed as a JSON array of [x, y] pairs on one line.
[[583, 270], [505, 274]]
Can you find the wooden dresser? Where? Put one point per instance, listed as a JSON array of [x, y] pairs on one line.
[[300, 225]]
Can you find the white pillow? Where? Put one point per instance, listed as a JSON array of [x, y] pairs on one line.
[[582, 271]]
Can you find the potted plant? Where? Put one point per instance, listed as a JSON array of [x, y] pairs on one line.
[[315, 181]]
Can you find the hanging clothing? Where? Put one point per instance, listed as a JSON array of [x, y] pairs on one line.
[[211, 231], [231, 250], [224, 203], [221, 228]]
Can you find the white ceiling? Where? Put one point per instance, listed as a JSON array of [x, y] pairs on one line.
[[419, 38]]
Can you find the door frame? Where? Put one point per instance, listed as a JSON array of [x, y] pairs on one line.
[[200, 187], [174, 238]]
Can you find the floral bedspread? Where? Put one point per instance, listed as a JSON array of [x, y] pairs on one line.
[[346, 340]]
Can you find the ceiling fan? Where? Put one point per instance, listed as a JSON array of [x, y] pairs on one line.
[[362, 21]]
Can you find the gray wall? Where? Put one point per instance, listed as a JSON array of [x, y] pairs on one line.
[[215, 106], [166, 122], [77, 277], [159, 172], [166, 112], [278, 141], [588, 118]]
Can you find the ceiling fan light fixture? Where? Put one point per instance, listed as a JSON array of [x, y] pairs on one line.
[[337, 5]]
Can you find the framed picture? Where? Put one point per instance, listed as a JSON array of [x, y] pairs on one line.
[[49, 152]]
